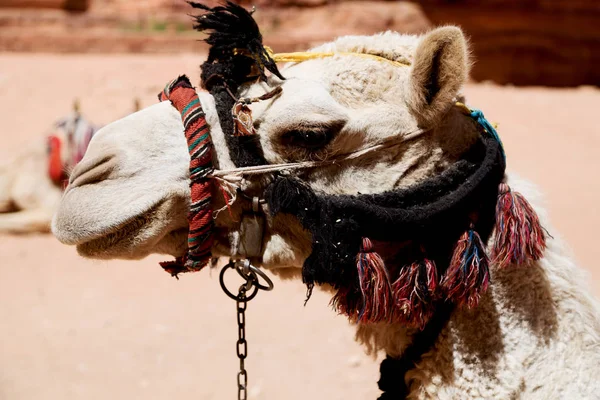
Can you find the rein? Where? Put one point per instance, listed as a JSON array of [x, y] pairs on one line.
[[231, 180], [234, 174]]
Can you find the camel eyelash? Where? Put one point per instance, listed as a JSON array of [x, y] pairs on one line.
[[310, 139]]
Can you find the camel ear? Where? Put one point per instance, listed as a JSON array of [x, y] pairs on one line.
[[439, 70]]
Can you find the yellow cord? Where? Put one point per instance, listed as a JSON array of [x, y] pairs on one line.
[[467, 111], [463, 107], [307, 55]]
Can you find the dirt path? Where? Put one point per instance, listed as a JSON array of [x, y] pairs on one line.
[[74, 328]]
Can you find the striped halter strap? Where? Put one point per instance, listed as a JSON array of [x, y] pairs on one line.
[[184, 98]]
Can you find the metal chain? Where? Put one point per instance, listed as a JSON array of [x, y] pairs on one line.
[[246, 292], [242, 344]]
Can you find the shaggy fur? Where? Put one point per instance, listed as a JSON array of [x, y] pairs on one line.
[[535, 334]]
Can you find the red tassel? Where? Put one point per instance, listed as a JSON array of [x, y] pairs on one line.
[[415, 291], [519, 235], [374, 285], [175, 267], [467, 276]]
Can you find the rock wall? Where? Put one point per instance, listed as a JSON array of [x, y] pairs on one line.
[[527, 42], [69, 5], [297, 27], [521, 42]]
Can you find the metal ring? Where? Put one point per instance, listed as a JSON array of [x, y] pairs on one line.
[[254, 271], [243, 269], [231, 295]]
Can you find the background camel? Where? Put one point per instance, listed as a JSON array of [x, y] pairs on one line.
[[531, 320], [31, 183]]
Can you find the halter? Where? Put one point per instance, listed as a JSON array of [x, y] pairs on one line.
[[441, 225], [185, 99]]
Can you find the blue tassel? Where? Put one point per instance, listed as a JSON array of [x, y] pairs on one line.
[[468, 275], [478, 116]]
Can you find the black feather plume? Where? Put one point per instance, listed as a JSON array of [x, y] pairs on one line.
[[233, 36], [236, 56]]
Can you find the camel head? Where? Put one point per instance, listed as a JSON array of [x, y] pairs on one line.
[[129, 196], [386, 162]]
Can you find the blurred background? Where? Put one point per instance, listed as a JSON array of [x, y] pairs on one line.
[[74, 328]]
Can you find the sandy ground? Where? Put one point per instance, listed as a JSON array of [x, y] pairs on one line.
[[74, 328]]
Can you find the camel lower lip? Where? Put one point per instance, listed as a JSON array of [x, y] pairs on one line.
[[100, 245]]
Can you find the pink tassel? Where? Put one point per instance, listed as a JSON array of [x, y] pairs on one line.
[[519, 235], [414, 293], [374, 285], [467, 276]]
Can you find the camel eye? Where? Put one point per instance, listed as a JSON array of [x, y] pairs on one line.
[[307, 139]]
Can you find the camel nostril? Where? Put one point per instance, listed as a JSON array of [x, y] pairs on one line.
[[94, 171]]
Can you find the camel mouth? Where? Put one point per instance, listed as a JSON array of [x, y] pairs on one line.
[[101, 244], [135, 237], [111, 245]]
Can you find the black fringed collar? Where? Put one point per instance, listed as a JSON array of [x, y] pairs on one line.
[[432, 215]]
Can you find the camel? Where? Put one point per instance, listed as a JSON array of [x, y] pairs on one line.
[[535, 333], [31, 185]]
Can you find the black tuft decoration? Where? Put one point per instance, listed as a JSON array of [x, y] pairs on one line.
[[234, 34], [236, 56]]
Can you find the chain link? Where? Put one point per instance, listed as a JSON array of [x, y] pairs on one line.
[[242, 344]]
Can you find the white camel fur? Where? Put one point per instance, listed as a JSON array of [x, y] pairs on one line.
[[535, 333]]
